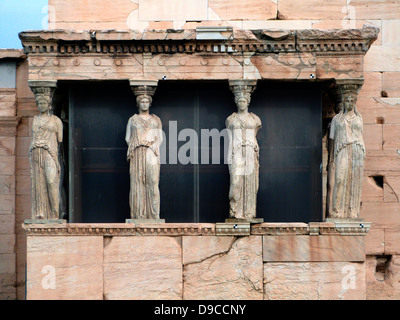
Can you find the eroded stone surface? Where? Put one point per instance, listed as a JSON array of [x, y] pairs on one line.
[[143, 268], [232, 271], [314, 281], [386, 285], [64, 268]]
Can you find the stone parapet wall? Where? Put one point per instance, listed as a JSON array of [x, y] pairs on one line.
[[378, 103], [191, 261]]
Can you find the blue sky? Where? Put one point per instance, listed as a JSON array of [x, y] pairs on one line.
[[20, 15]]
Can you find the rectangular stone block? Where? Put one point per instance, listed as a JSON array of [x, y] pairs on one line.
[[244, 10], [375, 241], [22, 146], [344, 67], [314, 281], [372, 9], [22, 166], [372, 85], [277, 24], [392, 241], [391, 83], [7, 286], [182, 67], [7, 184], [7, 243], [8, 98], [311, 9], [373, 136], [7, 223], [302, 248], [138, 268], [382, 162], [7, 263], [91, 13], [84, 67], [64, 268], [154, 10], [390, 35], [286, 66], [227, 268], [7, 165], [382, 215], [391, 136], [7, 204], [7, 146], [382, 58]]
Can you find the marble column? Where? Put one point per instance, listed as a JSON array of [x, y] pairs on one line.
[[47, 134], [243, 155], [347, 155], [144, 137]]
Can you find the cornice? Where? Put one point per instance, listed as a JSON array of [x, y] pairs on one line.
[[63, 42], [197, 229]]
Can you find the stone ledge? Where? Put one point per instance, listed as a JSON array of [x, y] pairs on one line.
[[198, 229], [243, 40]]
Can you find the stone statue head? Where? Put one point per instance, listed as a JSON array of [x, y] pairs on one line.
[[349, 101], [143, 102], [349, 97], [43, 102], [242, 101], [43, 97]]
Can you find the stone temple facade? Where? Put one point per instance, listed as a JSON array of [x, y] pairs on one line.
[[294, 64]]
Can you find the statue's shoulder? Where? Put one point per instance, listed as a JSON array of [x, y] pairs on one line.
[[56, 119], [133, 117], [229, 120], [231, 117], [255, 116]]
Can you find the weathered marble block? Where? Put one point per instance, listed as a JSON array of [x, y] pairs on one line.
[[147, 268], [314, 281], [305, 248], [217, 268], [64, 268]]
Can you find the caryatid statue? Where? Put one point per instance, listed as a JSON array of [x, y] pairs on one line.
[[243, 154], [47, 134], [346, 133], [144, 137]]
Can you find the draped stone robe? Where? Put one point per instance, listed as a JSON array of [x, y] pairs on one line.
[[244, 164], [349, 156], [144, 139], [45, 166]]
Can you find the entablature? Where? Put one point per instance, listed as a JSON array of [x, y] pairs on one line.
[[183, 54]]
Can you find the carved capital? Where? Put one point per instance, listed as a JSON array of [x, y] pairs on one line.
[[242, 88], [143, 87], [44, 89], [349, 86]]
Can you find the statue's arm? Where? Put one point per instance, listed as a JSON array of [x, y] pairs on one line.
[[59, 131], [159, 132], [128, 132]]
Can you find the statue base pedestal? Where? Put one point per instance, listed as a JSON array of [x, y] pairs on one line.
[[254, 220], [138, 221], [45, 221], [343, 220]]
